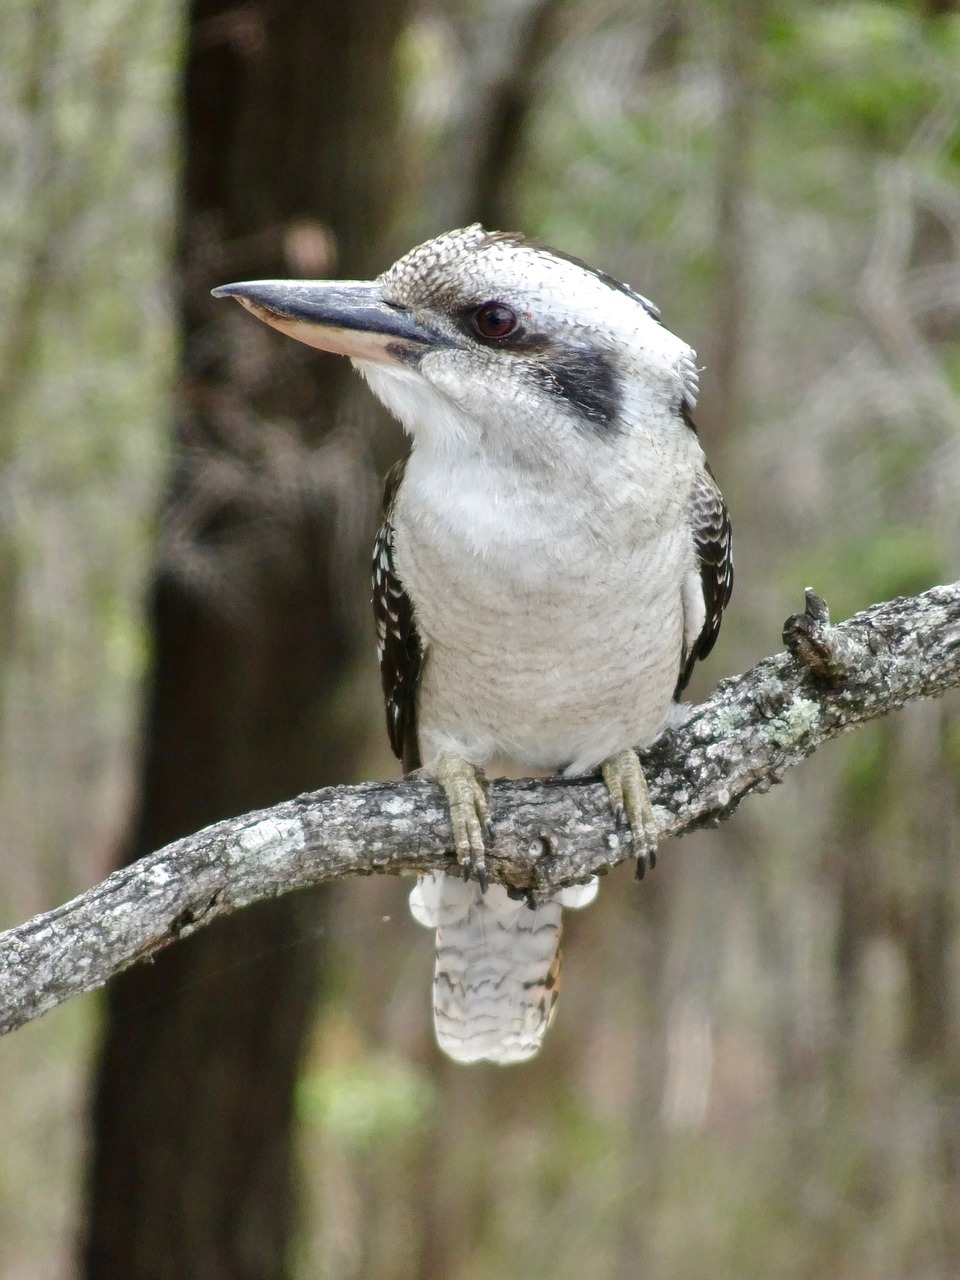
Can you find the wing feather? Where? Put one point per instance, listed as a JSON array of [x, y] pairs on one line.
[[399, 647], [712, 538]]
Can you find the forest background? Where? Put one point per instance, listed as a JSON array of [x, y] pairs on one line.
[[756, 1065]]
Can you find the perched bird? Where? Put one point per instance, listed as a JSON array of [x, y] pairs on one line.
[[554, 557]]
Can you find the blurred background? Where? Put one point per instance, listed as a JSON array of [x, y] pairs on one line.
[[755, 1070]]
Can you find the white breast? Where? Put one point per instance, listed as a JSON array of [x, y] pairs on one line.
[[552, 618]]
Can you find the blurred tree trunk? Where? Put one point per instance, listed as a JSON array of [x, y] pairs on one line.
[[510, 104], [288, 118], [728, 359]]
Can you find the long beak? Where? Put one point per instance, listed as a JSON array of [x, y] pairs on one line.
[[348, 317]]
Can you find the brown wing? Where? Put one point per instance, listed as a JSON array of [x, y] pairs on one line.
[[713, 540], [398, 644]]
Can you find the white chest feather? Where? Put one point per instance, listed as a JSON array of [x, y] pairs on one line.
[[552, 620]]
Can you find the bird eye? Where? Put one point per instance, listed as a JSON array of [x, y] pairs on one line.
[[494, 320]]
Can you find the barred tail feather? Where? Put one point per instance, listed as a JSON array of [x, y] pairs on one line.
[[498, 966]]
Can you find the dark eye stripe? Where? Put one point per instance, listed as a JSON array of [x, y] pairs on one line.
[[587, 380]]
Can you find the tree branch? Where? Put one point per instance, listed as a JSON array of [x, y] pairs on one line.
[[546, 833]]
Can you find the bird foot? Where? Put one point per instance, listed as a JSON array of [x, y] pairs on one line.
[[630, 801], [462, 783]]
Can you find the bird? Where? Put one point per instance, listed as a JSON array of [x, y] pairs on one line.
[[553, 559]]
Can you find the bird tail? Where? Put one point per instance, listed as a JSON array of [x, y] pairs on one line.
[[498, 965]]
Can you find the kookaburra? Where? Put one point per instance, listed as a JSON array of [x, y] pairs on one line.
[[554, 557]]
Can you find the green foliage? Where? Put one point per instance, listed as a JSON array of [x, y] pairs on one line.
[[877, 565], [86, 360], [42, 1095], [868, 778], [860, 74], [358, 1104]]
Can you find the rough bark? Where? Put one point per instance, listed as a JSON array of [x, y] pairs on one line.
[[288, 118], [545, 833]]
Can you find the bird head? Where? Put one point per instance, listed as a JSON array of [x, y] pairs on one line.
[[482, 342]]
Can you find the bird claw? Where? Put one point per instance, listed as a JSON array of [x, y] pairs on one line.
[[462, 783], [630, 800]]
